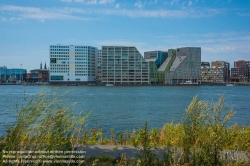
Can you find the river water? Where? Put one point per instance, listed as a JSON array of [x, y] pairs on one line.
[[129, 107]]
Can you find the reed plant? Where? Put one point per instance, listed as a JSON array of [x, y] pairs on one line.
[[206, 133], [45, 123]]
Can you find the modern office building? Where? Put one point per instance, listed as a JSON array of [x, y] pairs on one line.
[[72, 64], [12, 76], [156, 60], [98, 69], [183, 65], [3, 74], [123, 65]]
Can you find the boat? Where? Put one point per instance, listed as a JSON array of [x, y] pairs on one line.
[[190, 83], [229, 84], [109, 84]]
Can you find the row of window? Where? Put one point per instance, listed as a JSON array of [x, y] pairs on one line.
[[59, 56], [59, 49], [60, 53], [118, 48], [56, 65], [59, 71], [93, 48], [84, 75], [59, 68], [59, 46]]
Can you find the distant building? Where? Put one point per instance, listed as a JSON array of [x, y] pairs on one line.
[[123, 65], [239, 74], [241, 64], [218, 72], [38, 75], [12, 76], [183, 64], [72, 64], [205, 65], [212, 75], [3, 74], [155, 60], [98, 69], [225, 66], [241, 71]]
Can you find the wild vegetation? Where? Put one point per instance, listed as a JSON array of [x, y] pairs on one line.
[[45, 123]]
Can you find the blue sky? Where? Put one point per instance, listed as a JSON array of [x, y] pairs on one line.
[[27, 28]]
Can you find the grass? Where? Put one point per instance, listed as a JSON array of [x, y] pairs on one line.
[[45, 123]]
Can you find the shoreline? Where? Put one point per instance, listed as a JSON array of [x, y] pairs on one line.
[[85, 84]]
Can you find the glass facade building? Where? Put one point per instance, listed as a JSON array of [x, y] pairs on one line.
[[123, 65], [3, 72], [12, 76], [156, 60]]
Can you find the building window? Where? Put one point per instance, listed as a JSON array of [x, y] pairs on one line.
[[56, 77], [52, 60]]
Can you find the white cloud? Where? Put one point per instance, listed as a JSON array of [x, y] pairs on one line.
[[117, 6], [106, 1], [19, 9], [190, 3], [3, 19], [244, 14], [183, 13], [174, 2], [15, 18], [153, 2], [79, 0], [139, 4], [66, 0], [43, 14], [83, 14], [90, 1]]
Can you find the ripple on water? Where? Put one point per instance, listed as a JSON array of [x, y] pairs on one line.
[[130, 107]]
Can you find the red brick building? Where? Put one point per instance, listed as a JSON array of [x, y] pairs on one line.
[[241, 71]]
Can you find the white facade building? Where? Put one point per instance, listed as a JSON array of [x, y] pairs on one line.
[[72, 63], [123, 65], [98, 68]]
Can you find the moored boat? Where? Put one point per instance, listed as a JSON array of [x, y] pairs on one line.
[[109, 84]]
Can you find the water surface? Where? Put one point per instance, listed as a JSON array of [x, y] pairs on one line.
[[129, 107]]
